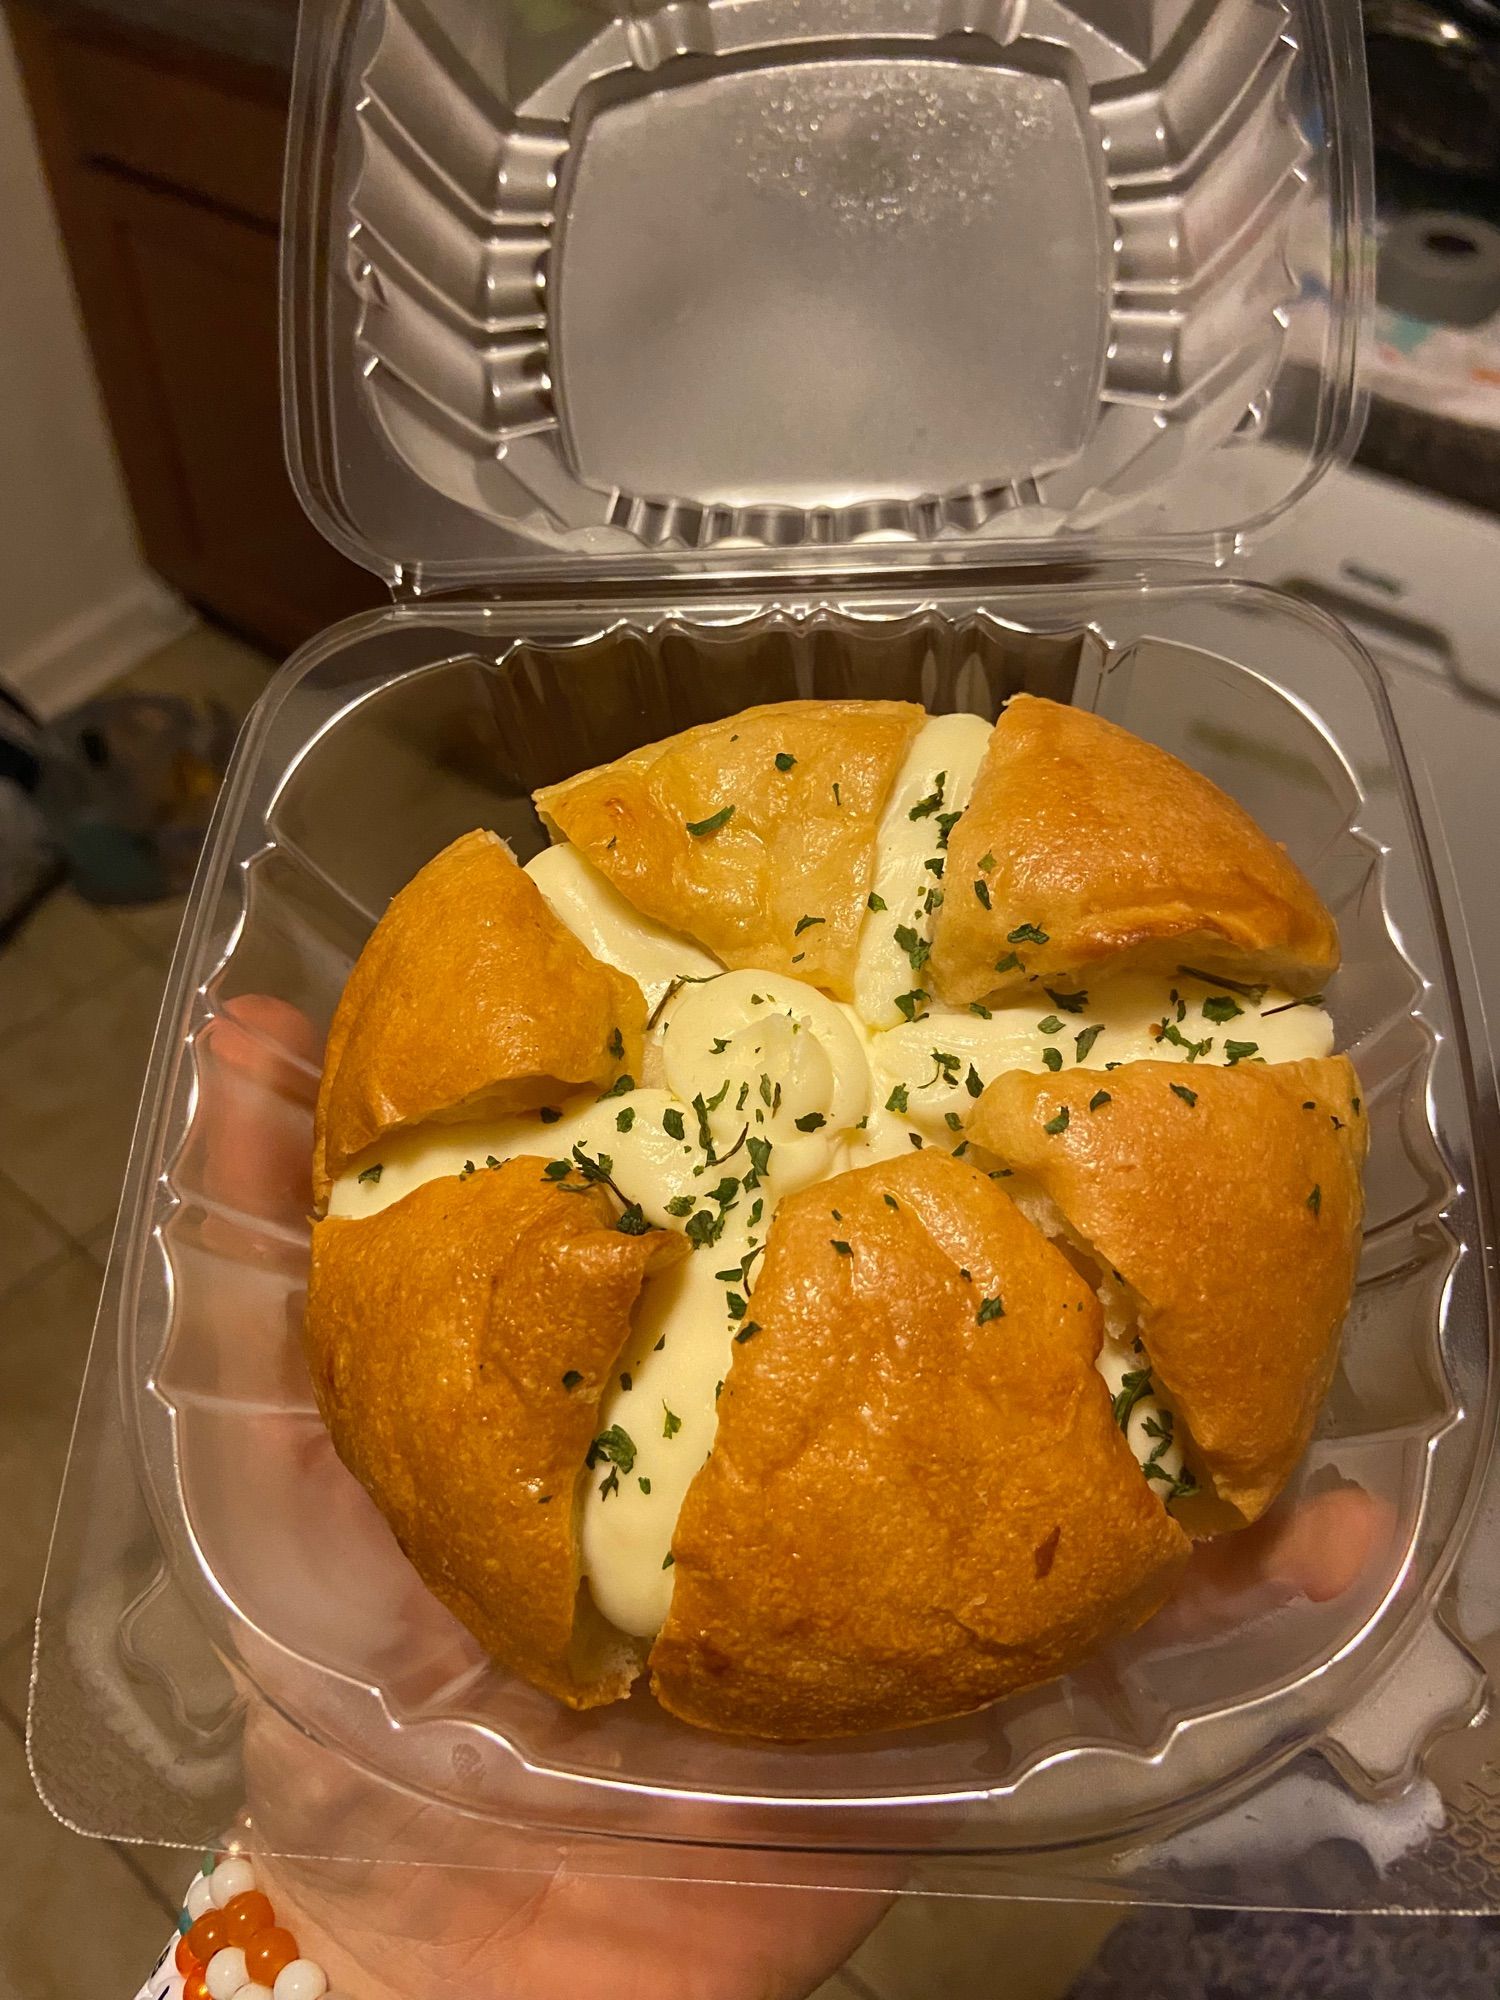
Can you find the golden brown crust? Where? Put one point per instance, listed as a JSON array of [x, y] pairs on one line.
[[908, 1511], [470, 997], [1117, 852], [800, 842], [1234, 1218], [441, 1335]]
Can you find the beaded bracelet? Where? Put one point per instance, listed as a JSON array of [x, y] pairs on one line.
[[230, 1946]]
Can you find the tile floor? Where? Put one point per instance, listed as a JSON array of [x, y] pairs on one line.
[[79, 989], [78, 994]]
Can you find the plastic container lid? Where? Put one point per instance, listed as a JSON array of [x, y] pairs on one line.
[[746, 285]]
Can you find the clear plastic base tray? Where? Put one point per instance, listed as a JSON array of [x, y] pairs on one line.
[[258, 1626]]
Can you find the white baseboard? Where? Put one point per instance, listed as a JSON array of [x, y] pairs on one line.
[[79, 658]]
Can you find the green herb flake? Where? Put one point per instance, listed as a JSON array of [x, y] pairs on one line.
[[926, 807], [672, 1124], [625, 1119], [1170, 1032], [644, 1483], [735, 1305], [1099, 1098], [1049, 1025], [1085, 1040], [1315, 1199], [990, 1308], [891, 1202], [371, 1175], [986, 863], [974, 1082], [1010, 963], [908, 1003], [1219, 1008], [698, 828], [836, 799], [1070, 1003], [680, 1204], [1057, 1124], [1026, 934], [812, 1121], [916, 947], [838, 1243], [571, 1380], [671, 1423], [784, 760], [613, 1447], [1134, 1384], [760, 1154], [1188, 1096], [668, 1559], [621, 1087], [897, 1101], [978, 1007], [1238, 1052], [633, 1221], [1052, 1058], [953, 1122], [982, 891], [806, 924], [748, 1331], [616, 1044], [874, 902]]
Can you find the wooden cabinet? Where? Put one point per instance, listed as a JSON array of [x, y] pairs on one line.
[[165, 165]]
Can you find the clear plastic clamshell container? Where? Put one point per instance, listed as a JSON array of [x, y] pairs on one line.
[[739, 350]]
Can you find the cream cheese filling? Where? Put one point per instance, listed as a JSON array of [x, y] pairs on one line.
[[756, 1084]]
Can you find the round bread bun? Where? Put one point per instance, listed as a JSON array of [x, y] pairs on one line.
[[1093, 848], [469, 997], [737, 832], [458, 1344], [918, 1499], [1228, 1203]]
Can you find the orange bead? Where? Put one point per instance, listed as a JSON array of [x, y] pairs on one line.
[[185, 1958], [268, 1952], [196, 1988], [207, 1936], [246, 1914]]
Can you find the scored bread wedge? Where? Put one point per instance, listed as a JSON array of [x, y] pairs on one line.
[[754, 835], [469, 999], [1085, 848], [1228, 1203], [917, 1498], [459, 1343]]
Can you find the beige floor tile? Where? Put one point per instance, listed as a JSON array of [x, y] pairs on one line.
[[956, 1947], [150, 929], [44, 1335], [27, 1239], [74, 1920], [64, 948], [68, 1092], [208, 663]]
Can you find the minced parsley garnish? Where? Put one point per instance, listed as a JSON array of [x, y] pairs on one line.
[[1070, 1003], [1220, 1008], [897, 1099], [621, 1087], [1188, 1096], [838, 1243], [874, 902], [891, 1202], [668, 1559], [371, 1175], [1052, 1058], [1135, 1383], [990, 1308], [810, 1122], [784, 760], [978, 1007], [916, 947], [625, 1119], [490, 1161], [935, 865], [974, 1082], [1010, 963], [467, 1169], [633, 1221], [571, 1380], [699, 827], [680, 1204], [1086, 1039], [1057, 1124], [627, 1383], [672, 1124], [908, 1003], [1170, 1032], [1026, 934], [1315, 1199], [982, 891], [1099, 1097], [945, 1066], [986, 862], [953, 1122], [1237, 1052], [760, 1154], [836, 799], [925, 807], [671, 1422], [806, 924], [735, 1305], [747, 1332], [616, 1044], [1049, 1025], [549, 1113], [644, 1483], [916, 1139]]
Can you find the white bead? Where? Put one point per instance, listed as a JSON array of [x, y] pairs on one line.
[[200, 1897], [301, 1980], [231, 1878], [226, 1972]]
